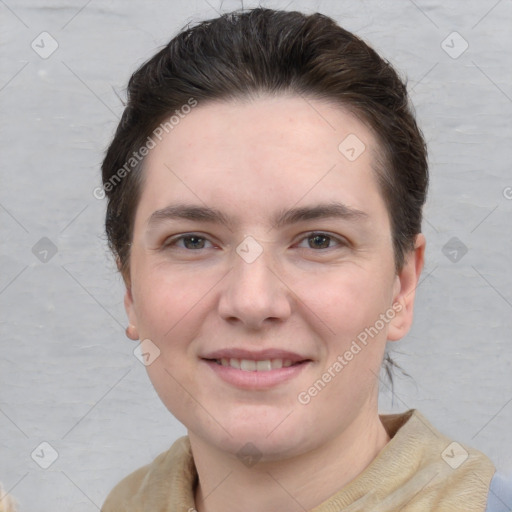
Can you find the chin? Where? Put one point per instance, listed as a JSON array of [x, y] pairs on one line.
[[259, 448], [268, 438]]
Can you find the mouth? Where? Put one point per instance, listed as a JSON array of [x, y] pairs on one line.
[[255, 370], [251, 365]]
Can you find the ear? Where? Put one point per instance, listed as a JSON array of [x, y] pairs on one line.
[[131, 330], [405, 290]]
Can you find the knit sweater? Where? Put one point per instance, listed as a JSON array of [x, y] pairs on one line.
[[418, 470]]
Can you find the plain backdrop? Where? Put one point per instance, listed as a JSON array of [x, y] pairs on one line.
[[68, 376]]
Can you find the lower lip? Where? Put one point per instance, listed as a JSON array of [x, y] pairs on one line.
[[256, 380]]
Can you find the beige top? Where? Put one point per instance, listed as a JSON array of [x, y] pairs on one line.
[[418, 470]]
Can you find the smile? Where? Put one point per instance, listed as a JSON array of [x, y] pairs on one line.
[[250, 365]]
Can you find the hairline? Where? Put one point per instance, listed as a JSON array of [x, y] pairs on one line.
[[380, 161]]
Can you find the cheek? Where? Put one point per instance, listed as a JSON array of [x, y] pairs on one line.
[[164, 300], [172, 383], [169, 311], [348, 301]]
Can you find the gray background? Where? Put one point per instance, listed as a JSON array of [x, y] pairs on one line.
[[68, 375]]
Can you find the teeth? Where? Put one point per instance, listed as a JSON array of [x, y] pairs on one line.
[[263, 366], [247, 365], [250, 365]]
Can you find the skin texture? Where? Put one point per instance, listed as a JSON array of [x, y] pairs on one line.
[[252, 160]]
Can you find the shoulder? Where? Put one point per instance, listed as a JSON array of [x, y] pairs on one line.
[[500, 493], [135, 488]]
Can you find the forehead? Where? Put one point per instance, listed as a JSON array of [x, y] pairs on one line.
[[254, 155], [270, 126]]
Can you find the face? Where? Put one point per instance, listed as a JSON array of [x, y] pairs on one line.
[[262, 270]]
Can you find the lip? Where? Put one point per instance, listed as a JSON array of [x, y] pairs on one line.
[[254, 380], [237, 353]]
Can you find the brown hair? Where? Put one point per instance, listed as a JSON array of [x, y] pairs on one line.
[[244, 53]]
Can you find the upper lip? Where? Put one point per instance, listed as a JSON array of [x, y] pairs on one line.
[[260, 355]]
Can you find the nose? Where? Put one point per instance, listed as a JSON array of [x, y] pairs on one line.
[[254, 294]]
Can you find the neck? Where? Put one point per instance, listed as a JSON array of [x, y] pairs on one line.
[[298, 483]]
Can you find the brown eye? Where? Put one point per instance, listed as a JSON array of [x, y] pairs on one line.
[[321, 241]]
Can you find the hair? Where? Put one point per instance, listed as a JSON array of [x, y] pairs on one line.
[[246, 53]]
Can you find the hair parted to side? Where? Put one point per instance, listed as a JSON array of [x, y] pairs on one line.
[[243, 54]]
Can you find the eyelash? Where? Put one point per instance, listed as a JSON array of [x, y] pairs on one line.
[[172, 242]]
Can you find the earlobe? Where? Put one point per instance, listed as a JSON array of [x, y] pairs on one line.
[[132, 333], [407, 282]]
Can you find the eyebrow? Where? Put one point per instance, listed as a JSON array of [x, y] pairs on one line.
[[282, 218]]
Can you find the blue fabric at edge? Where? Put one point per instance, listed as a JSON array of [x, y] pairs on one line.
[[500, 494]]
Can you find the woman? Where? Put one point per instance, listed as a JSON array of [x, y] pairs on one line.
[[265, 190]]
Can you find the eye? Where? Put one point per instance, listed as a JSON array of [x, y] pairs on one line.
[[191, 241], [321, 241]]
